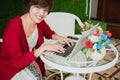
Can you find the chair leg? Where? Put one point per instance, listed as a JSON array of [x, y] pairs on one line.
[[52, 75]]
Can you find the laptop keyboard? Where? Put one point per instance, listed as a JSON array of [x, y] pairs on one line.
[[67, 51]]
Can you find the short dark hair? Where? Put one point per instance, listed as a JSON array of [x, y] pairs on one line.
[[39, 3]]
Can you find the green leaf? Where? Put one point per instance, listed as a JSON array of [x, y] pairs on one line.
[[99, 51], [88, 53], [84, 50]]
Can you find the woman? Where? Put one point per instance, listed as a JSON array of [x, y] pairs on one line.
[[23, 40]]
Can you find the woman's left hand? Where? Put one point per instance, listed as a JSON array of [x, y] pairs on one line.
[[63, 40]]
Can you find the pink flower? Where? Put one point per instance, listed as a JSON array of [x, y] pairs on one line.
[[98, 31], [95, 33]]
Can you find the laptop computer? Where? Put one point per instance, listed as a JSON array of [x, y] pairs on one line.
[[78, 45]]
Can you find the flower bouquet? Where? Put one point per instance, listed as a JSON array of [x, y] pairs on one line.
[[88, 25], [96, 44]]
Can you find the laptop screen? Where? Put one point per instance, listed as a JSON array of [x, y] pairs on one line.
[[81, 42]]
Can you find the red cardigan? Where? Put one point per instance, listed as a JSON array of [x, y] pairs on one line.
[[15, 54]]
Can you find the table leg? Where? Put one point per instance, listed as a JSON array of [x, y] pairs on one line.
[[76, 76], [61, 74], [90, 76]]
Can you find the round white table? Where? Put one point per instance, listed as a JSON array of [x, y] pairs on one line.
[[64, 66]]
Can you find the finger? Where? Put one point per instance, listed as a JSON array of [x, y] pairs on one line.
[[70, 42], [61, 49], [57, 48]]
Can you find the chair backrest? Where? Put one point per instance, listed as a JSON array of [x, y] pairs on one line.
[[0, 40], [63, 23]]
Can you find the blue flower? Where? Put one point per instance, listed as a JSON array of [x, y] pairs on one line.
[[103, 37], [99, 46], [108, 42]]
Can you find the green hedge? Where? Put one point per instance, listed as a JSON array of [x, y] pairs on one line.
[[77, 7], [8, 10]]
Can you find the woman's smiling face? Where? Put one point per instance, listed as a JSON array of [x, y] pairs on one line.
[[38, 14]]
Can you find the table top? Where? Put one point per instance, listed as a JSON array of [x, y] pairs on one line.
[[81, 65]]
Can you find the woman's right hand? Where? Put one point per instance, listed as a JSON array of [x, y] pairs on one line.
[[53, 47], [50, 47]]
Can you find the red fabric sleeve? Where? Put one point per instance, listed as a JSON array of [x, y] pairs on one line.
[[16, 48], [47, 31]]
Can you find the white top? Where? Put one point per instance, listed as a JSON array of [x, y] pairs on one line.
[[32, 40]]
